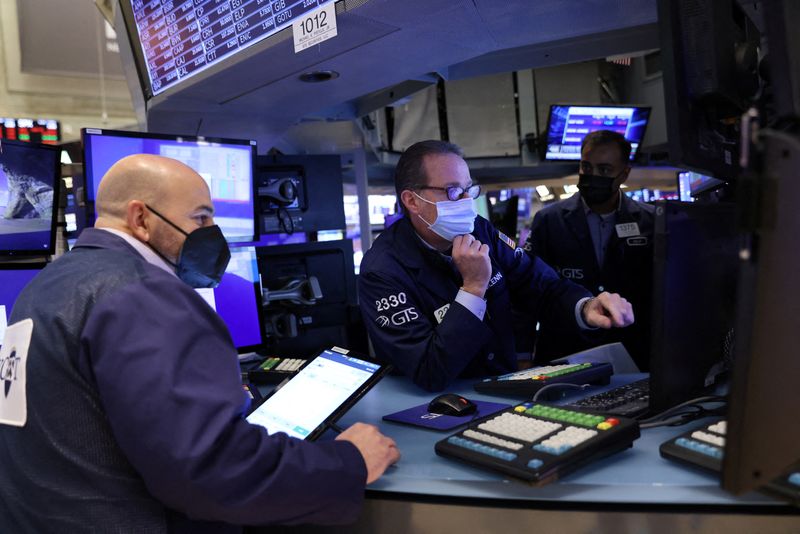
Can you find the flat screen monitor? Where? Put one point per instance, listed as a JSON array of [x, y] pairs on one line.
[[684, 187], [765, 386], [569, 124], [30, 179], [178, 39], [324, 389], [225, 164], [695, 272], [709, 54], [692, 184], [237, 299], [44, 131], [14, 277]]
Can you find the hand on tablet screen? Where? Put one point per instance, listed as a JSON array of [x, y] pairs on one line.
[[379, 451]]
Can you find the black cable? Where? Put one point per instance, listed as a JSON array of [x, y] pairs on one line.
[[562, 385], [683, 418], [669, 411]]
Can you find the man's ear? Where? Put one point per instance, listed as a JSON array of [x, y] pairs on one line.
[[410, 202], [624, 177], [137, 217]]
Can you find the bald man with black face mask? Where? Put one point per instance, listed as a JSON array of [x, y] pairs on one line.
[[135, 409], [602, 240]]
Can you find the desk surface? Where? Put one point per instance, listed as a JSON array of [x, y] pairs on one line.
[[636, 476]]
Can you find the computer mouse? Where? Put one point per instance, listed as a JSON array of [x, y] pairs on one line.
[[452, 404]]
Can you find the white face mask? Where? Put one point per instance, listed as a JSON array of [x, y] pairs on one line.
[[453, 217]]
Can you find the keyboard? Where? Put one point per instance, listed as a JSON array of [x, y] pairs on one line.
[[705, 448], [527, 382], [630, 400], [273, 370], [538, 443]]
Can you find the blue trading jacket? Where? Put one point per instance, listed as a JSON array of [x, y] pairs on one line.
[[135, 414], [560, 236], [407, 297]]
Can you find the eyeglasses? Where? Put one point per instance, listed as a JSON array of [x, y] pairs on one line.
[[455, 192]]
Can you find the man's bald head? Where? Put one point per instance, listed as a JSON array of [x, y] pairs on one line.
[[154, 199], [145, 177]]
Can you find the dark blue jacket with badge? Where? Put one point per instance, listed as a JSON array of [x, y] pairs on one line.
[[136, 414], [560, 236], [407, 296]]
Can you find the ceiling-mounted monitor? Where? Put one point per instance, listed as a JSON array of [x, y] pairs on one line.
[[569, 124], [176, 39], [45, 131], [225, 164]]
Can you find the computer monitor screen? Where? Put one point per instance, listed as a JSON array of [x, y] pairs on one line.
[[569, 124], [176, 40], [710, 59], [760, 443], [30, 177], [14, 277], [684, 187], [44, 131], [237, 299], [225, 164], [695, 183], [695, 269]]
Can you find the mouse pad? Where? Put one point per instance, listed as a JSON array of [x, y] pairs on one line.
[[419, 416]]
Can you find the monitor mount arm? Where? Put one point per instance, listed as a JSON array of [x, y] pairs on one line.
[[301, 291]]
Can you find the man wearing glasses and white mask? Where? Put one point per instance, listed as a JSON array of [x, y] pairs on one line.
[[438, 287]]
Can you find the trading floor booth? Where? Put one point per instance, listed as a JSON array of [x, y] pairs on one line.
[[226, 89]]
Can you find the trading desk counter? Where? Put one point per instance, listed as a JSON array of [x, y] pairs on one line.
[[632, 490]]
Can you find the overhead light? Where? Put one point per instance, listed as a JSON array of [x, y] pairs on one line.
[[542, 190], [547, 197], [565, 195], [319, 76]]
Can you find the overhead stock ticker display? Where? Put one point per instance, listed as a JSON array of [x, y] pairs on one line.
[[180, 38]]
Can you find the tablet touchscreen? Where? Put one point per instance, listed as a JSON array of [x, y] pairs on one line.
[[321, 392]]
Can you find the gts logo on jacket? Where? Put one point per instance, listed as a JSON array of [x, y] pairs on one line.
[[570, 272]]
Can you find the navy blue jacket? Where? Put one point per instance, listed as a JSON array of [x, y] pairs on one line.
[[560, 236], [407, 297], [135, 413]]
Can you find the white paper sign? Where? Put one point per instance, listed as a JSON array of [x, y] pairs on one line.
[[3, 322], [13, 362], [314, 27]]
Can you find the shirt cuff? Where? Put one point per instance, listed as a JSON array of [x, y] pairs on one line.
[[473, 303], [579, 317]]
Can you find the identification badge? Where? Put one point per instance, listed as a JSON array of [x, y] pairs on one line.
[[439, 313], [627, 230], [13, 361]]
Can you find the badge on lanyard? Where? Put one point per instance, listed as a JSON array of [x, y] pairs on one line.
[[627, 230]]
